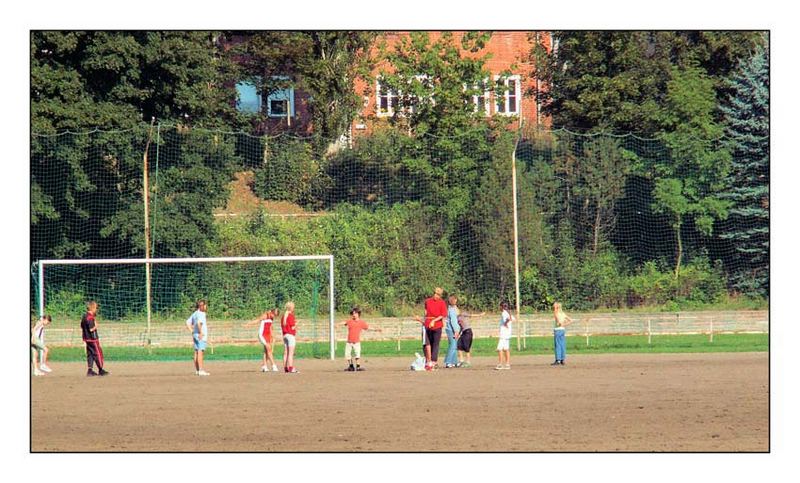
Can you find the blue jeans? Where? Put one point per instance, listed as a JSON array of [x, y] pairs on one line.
[[452, 348], [560, 337]]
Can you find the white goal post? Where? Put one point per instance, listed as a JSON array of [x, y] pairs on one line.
[[154, 261]]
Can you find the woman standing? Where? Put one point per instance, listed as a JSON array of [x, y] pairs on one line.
[[451, 329], [435, 313], [562, 320]]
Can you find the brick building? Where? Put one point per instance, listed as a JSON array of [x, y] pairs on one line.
[[287, 109]]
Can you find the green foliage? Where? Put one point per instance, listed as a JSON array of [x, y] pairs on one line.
[[290, 172], [323, 64], [394, 255], [690, 184], [746, 115], [118, 79], [86, 188], [699, 283], [617, 80], [435, 82]]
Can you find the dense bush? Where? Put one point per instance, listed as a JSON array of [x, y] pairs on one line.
[[290, 172], [385, 258]]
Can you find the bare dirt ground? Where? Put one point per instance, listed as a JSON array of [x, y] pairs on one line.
[[626, 402]]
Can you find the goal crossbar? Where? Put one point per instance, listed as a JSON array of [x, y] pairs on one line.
[[145, 261]]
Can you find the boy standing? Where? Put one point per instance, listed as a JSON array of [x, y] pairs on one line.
[[197, 324], [354, 327], [38, 347], [94, 353], [504, 344]]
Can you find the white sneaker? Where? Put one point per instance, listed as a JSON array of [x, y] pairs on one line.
[[37, 372], [203, 373], [499, 367], [45, 368], [274, 368], [264, 369], [507, 367]]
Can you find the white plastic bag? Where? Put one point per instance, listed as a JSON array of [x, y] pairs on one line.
[[419, 363]]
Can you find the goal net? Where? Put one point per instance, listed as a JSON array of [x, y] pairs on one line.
[[144, 302]]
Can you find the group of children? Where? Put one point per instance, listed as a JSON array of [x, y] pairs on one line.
[[459, 333], [197, 324], [457, 329], [94, 353]]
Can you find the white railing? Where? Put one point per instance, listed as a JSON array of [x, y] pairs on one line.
[[174, 333]]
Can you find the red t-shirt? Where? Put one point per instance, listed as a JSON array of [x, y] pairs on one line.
[[266, 329], [435, 308], [354, 328], [288, 324]]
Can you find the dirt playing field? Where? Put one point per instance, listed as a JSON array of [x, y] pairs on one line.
[[664, 402]]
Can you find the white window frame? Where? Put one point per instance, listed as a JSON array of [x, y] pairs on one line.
[[286, 95], [507, 95], [390, 96], [394, 96], [487, 99]]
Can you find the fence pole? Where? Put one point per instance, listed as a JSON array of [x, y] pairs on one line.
[[516, 230], [649, 333], [711, 329], [586, 331], [41, 289], [399, 333], [331, 321], [146, 201]]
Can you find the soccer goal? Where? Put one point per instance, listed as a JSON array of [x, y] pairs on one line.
[[146, 301]]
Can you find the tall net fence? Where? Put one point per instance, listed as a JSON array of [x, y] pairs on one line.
[[604, 221]]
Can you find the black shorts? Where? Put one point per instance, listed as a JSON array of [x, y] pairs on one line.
[[465, 341]]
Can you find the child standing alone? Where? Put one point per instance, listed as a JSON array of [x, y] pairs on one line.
[[504, 344], [94, 353], [562, 320], [198, 326], [354, 327], [38, 347]]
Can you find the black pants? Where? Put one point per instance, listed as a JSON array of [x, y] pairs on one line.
[[433, 337], [94, 354], [465, 341]]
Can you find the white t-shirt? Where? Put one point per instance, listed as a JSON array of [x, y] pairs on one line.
[[505, 329]]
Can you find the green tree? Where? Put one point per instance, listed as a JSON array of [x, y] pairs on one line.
[[82, 184], [690, 183], [747, 128], [434, 82], [617, 81], [323, 64], [604, 168]]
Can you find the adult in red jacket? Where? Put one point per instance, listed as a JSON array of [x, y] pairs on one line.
[[435, 313]]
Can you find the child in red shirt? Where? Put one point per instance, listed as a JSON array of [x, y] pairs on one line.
[[354, 327], [265, 321], [289, 329]]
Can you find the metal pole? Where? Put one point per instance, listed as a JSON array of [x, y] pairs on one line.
[[146, 195], [332, 310], [41, 289], [516, 233]]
